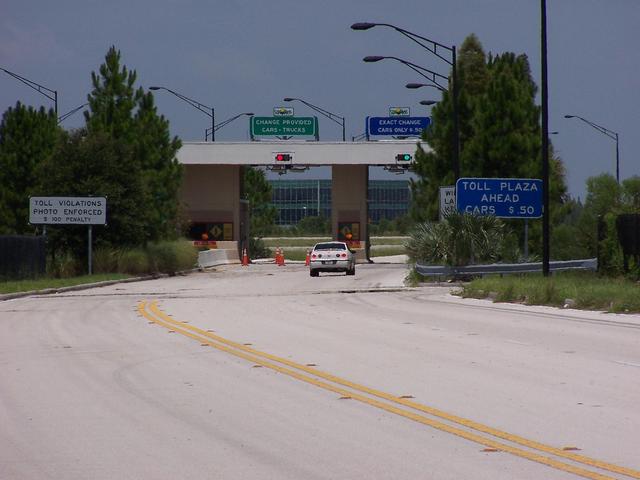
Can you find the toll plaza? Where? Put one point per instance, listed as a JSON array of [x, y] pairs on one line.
[[212, 189]]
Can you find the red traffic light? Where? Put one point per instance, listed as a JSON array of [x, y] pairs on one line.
[[283, 157]]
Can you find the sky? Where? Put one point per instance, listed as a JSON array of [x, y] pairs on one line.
[[247, 55]]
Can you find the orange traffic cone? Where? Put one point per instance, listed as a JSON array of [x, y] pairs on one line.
[[281, 258], [245, 258], [307, 259], [277, 257]]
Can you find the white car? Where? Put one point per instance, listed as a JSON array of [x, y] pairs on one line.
[[332, 257]]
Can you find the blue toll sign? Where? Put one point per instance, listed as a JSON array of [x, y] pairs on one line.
[[500, 197], [397, 126]]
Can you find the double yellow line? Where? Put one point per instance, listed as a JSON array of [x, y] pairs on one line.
[[392, 403]]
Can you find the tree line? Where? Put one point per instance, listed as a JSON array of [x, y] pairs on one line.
[[124, 152], [500, 137]]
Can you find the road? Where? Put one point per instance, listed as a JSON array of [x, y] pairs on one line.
[[262, 372]]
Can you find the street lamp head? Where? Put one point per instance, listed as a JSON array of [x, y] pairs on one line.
[[155, 88], [251, 114], [363, 26], [373, 58], [428, 102], [288, 99], [569, 116], [415, 85]]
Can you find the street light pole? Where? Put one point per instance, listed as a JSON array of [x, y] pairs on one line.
[[331, 116], [47, 92], [545, 140], [223, 123], [64, 116], [433, 47], [416, 68], [609, 133], [456, 127], [209, 111]]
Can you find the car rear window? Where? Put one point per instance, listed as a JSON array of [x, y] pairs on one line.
[[330, 246]]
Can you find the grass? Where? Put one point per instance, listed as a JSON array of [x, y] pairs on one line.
[[44, 283], [273, 242], [295, 254], [388, 240], [387, 250], [588, 290]]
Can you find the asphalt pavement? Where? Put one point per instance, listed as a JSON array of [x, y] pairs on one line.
[[263, 372]]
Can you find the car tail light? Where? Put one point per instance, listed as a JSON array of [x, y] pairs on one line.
[[319, 255], [337, 255], [313, 256], [344, 255]]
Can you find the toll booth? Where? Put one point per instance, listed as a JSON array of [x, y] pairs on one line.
[[349, 215], [211, 192]]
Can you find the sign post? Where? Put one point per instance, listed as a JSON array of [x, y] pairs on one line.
[[89, 249], [526, 240], [69, 211]]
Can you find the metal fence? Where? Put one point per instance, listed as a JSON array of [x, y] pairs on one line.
[[504, 268], [22, 257]]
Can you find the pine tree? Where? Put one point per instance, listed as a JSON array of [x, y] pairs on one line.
[[155, 151], [499, 131], [506, 140], [435, 168], [27, 137], [97, 165], [123, 123], [113, 99], [126, 153]]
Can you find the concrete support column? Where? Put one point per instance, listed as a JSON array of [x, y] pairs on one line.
[[211, 193], [349, 187]]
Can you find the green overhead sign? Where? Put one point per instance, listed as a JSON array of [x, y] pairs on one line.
[[284, 126]]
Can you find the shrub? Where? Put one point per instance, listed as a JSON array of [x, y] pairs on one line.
[[610, 256], [133, 261], [510, 249], [105, 260], [429, 243], [171, 257], [313, 225], [460, 239], [258, 249], [63, 265]]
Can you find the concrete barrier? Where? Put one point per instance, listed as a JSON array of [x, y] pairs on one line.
[[225, 254]]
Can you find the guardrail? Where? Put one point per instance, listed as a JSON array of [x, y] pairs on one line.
[[502, 268]]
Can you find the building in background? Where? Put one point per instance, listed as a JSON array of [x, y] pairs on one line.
[[296, 199]]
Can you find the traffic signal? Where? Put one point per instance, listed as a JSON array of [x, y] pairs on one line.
[[283, 156], [404, 157]]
